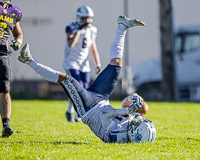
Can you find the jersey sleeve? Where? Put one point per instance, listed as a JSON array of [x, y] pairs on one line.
[[94, 31], [19, 13]]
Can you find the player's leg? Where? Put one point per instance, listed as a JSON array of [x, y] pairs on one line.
[[5, 103], [69, 112], [80, 97], [107, 79], [117, 46], [5, 100], [85, 80], [70, 109], [85, 77]]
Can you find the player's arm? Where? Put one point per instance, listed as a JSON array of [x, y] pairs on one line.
[[73, 34], [72, 38], [136, 103], [18, 37], [95, 55], [106, 116]]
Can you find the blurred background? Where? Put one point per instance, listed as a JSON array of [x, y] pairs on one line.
[[161, 60]]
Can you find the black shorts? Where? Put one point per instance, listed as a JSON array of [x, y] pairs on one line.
[[5, 73]]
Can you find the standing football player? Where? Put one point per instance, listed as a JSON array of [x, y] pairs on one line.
[[10, 17], [81, 39], [92, 104]]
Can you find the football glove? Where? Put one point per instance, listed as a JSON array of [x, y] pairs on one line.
[[132, 108], [136, 99], [83, 26], [98, 69], [72, 28], [136, 102], [16, 44]]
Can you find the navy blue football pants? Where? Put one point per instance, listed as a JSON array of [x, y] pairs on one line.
[[82, 77], [101, 89]]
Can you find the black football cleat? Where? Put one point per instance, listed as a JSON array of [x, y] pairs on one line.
[[7, 132], [69, 117]]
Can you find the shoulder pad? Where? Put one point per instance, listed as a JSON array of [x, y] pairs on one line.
[[19, 12], [94, 29]]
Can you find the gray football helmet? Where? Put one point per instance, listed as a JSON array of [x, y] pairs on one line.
[[84, 11], [140, 130]]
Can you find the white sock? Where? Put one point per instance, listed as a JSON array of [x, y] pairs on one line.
[[46, 72], [70, 108], [117, 46]]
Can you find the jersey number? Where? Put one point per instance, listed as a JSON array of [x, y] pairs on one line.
[[2, 28], [84, 43]]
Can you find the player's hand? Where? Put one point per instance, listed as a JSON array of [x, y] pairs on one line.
[[136, 99], [133, 107], [98, 69], [72, 28], [137, 102], [16, 44]]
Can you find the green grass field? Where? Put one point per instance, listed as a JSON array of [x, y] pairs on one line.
[[42, 132]]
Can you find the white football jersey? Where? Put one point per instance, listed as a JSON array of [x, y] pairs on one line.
[[92, 119], [77, 57]]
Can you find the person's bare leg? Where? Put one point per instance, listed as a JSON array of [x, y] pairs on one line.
[[5, 105], [5, 109]]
